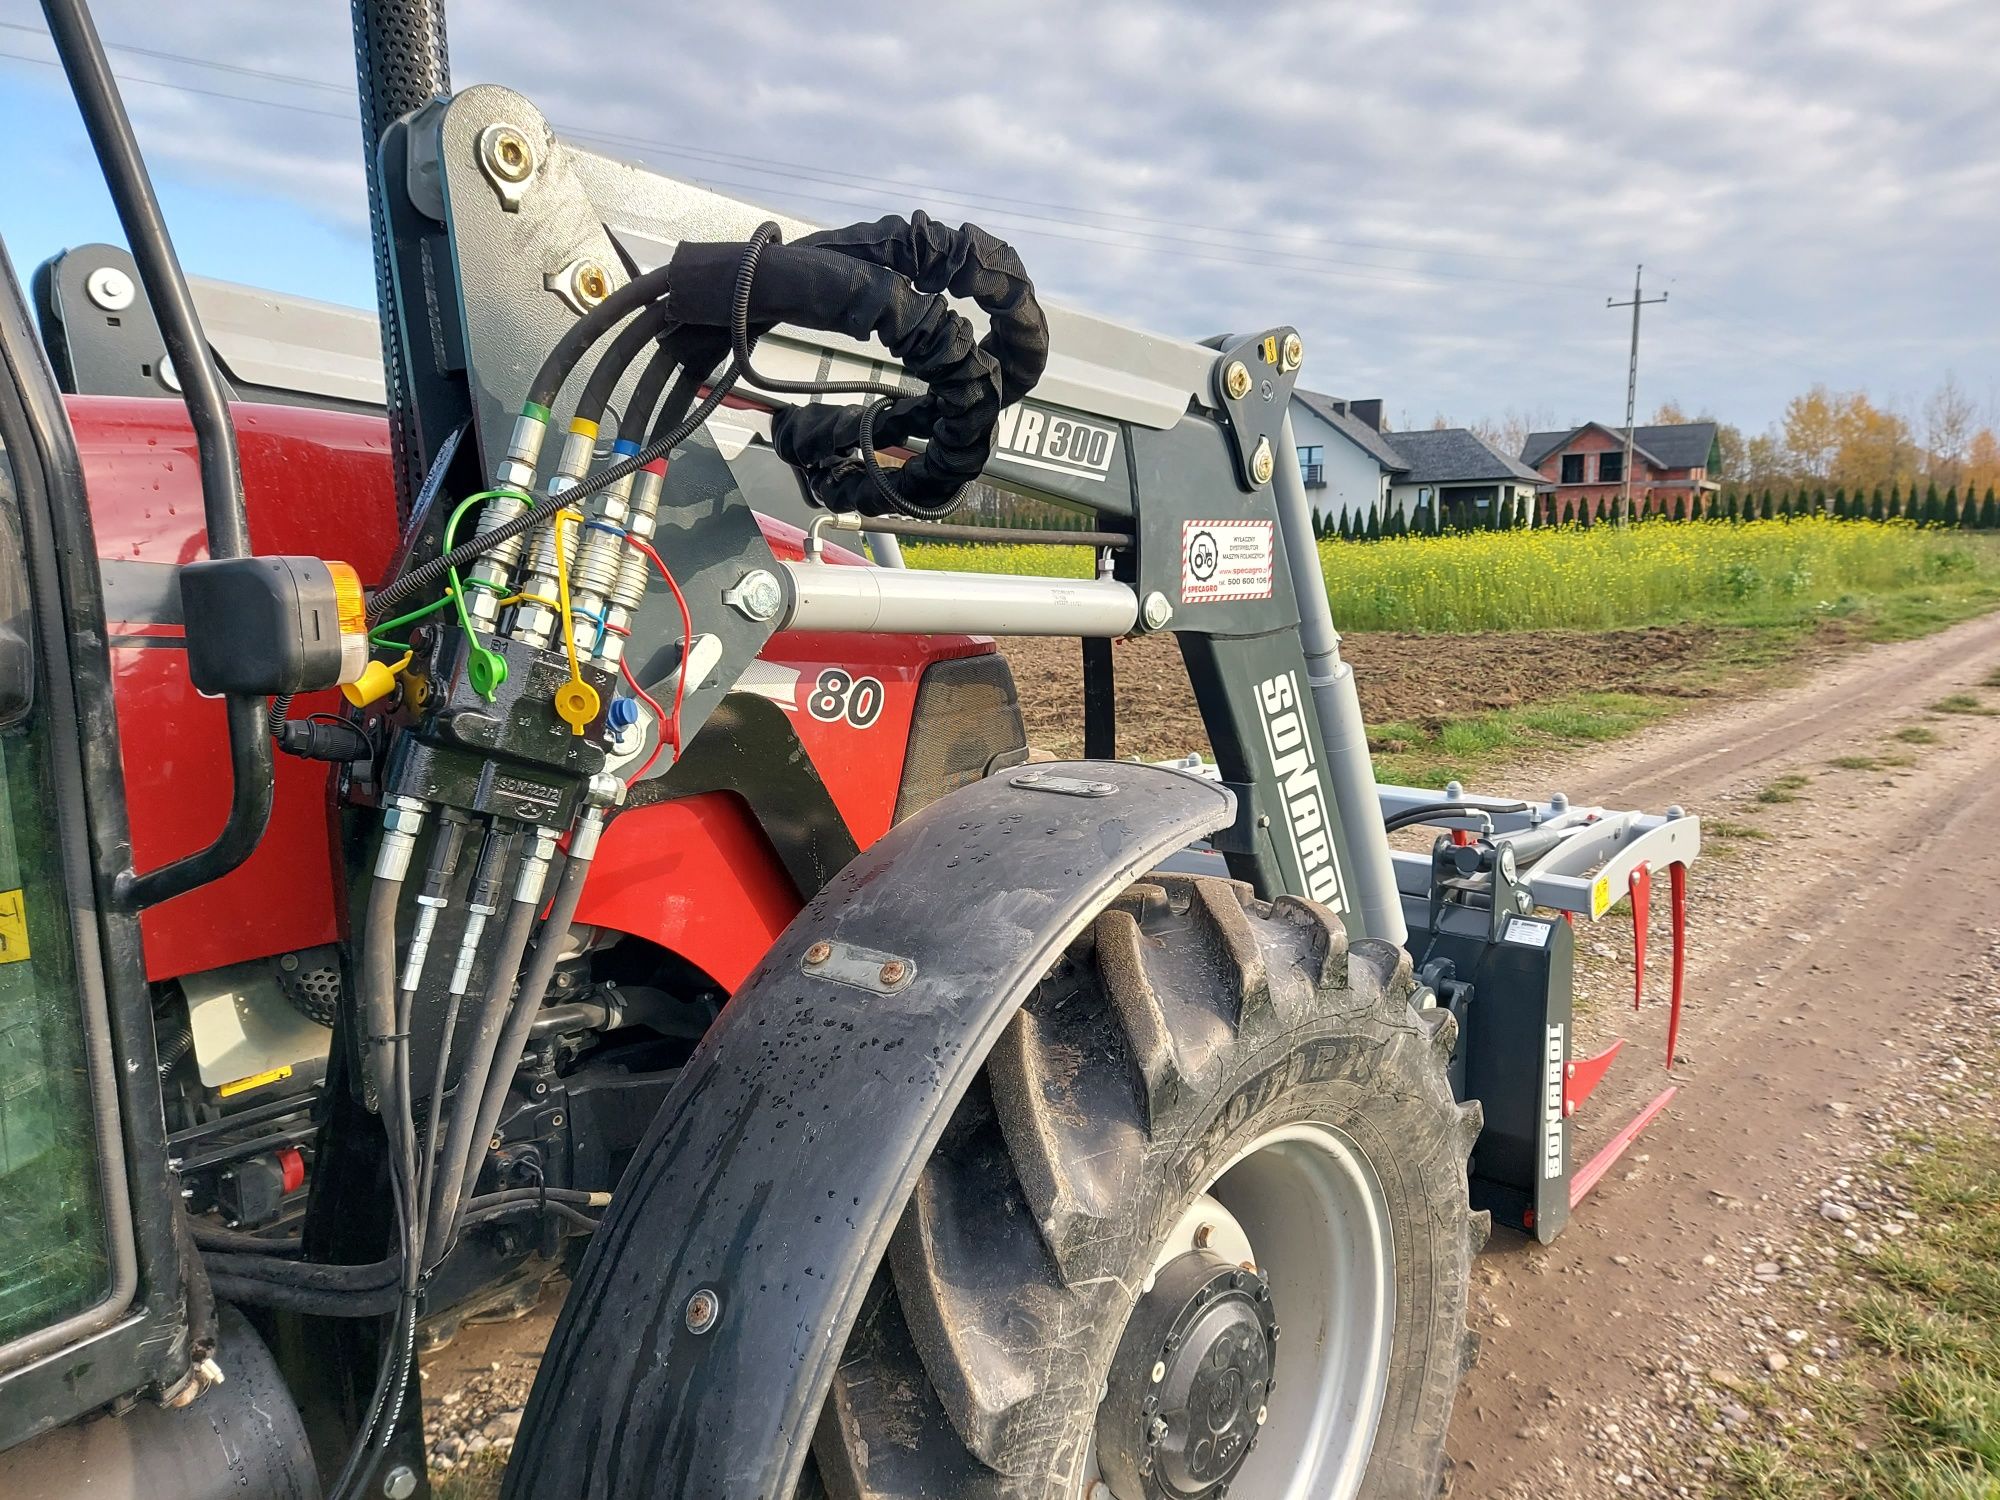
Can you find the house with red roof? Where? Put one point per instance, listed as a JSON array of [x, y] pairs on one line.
[[1583, 468]]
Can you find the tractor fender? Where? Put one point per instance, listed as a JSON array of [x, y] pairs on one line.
[[696, 1349]]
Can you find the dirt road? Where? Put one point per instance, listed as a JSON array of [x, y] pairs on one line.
[[1823, 956], [1826, 928]]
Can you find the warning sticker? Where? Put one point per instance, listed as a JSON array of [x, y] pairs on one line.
[[1223, 560], [13, 928]]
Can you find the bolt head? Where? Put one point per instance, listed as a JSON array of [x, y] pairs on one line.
[[507, 154], [1236, 380], [894, 971], [759, 595], [704, 1308], [399, 1483], [1293, 354], [1156, 1432], [1262, 464], [1156, 611], [110, 288], [591, 283], [819, 953]]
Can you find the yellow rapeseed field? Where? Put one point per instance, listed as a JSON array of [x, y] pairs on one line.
[[1585, 578]]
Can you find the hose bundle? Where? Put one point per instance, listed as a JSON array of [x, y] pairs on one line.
[[884, 281]]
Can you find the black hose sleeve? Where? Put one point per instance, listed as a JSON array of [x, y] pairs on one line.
[[824, 288], [214, 1237], [373, 1302], [966, 262], [314, 1276]]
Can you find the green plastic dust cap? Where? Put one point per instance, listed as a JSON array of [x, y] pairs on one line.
[[487, 670]]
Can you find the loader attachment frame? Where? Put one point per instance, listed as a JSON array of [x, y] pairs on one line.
[[1184, 455]]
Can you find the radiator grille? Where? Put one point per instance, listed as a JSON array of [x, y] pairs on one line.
[[967, 722]]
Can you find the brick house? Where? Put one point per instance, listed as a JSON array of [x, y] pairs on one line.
[[1586, 467]]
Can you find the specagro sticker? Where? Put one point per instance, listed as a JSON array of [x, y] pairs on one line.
[[1224, 560]]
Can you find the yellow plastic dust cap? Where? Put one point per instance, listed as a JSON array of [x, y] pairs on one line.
[[377, 680], [576, 704]]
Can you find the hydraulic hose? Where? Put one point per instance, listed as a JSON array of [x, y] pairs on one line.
[[591, 327], [637, 418], [534, 987], [618, 357], [462, 1139], [1430, 811], [378, 988]]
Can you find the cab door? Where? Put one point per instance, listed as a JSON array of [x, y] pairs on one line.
[[92, 1299]]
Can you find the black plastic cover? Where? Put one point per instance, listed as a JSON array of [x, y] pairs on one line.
[[261, 626]]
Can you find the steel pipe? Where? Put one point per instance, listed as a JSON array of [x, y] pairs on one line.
[[823, 596]]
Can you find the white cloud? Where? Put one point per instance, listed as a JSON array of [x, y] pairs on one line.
[[1439, 194]]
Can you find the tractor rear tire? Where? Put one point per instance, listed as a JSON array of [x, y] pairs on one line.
[[1201, 1222]]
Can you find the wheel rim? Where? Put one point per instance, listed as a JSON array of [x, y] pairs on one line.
[[1311, 1206]]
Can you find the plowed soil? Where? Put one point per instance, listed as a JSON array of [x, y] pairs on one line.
[[1402, 678]]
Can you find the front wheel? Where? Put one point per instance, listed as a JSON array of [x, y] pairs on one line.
[[1201, 1225]]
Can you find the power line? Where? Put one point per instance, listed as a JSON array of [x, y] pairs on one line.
[[1175, 246], [1632, 383], [833, 177]]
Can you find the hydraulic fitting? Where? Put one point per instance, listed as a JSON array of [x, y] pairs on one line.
[[402, 821]]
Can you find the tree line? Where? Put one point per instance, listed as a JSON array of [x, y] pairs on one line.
[[1921, 504]]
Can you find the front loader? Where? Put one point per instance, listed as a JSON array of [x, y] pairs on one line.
[[476, 843]]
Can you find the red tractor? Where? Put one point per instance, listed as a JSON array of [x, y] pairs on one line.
[[432, 866]]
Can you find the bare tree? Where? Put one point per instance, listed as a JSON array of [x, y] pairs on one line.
[[1949, 419]]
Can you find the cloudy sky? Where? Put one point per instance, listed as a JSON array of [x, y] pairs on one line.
[[1440, 194]]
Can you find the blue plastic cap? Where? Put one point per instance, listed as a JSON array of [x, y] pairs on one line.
[[624, 713]]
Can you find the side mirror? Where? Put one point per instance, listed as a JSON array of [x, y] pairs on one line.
[[17, 626]]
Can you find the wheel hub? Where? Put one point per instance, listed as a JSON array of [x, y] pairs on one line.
[[1186, 1390]]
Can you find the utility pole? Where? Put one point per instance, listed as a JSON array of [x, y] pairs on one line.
[[1632, 385]]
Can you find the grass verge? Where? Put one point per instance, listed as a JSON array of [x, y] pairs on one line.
[[1915, 1414], [1414, 754]]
